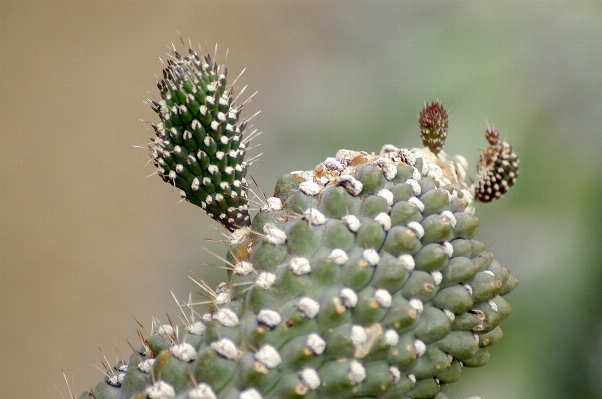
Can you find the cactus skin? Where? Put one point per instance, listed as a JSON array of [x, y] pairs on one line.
[[360, 278]]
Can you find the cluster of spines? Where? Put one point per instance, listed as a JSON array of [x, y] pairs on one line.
[[199, 144], [497, 168]]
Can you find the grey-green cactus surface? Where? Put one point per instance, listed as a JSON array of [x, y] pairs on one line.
[[358, 278]]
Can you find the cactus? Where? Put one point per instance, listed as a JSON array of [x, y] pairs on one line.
[[358, 278]]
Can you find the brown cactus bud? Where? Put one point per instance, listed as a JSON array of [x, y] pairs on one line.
[[497, 168], [433, 121]]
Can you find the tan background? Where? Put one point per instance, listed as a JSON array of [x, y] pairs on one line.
[[88, 244]]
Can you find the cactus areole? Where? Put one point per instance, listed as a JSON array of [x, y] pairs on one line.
[[358, 278]]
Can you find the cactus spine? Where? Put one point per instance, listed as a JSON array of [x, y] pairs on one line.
[[358, 278]]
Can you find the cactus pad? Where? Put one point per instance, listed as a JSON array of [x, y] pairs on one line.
[[359, 278]]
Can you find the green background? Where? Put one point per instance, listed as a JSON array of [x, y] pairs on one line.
[[88, 244]]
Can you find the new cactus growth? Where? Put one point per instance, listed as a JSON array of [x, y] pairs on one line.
[[199, 146], [358, 278]]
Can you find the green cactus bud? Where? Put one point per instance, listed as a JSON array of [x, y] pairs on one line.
[[199, 145], [358, 278]]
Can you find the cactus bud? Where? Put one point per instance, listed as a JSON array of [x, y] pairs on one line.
[[199, 144], [497, 168], [433, 121]]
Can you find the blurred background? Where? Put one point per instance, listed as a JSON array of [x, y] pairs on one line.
[[89, 244]]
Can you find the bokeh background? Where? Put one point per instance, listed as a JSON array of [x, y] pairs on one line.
[[89, 244]]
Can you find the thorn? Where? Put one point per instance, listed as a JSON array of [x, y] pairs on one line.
[[216, 266], [239, 94], [204, 286], [239, 75], [134, 350], [247, 283], [175, 331], [103, 372], [219, 257], [249, 99], [257, 185], [143, 329], [144, 344], [252, 116], [71, 393], [189, 305], [255, 158], [107, 366], [253, 135], [259, 201], [185, 321], [154, 323]]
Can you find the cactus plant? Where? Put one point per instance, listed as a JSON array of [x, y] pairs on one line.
[[358, 278]]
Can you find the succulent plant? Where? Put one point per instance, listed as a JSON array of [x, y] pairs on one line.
[[358, 278]]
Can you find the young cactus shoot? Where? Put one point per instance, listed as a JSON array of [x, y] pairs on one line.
[[358, 278], [199, 146]]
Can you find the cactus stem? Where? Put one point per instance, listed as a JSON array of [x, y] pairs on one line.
[[357, 278]]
